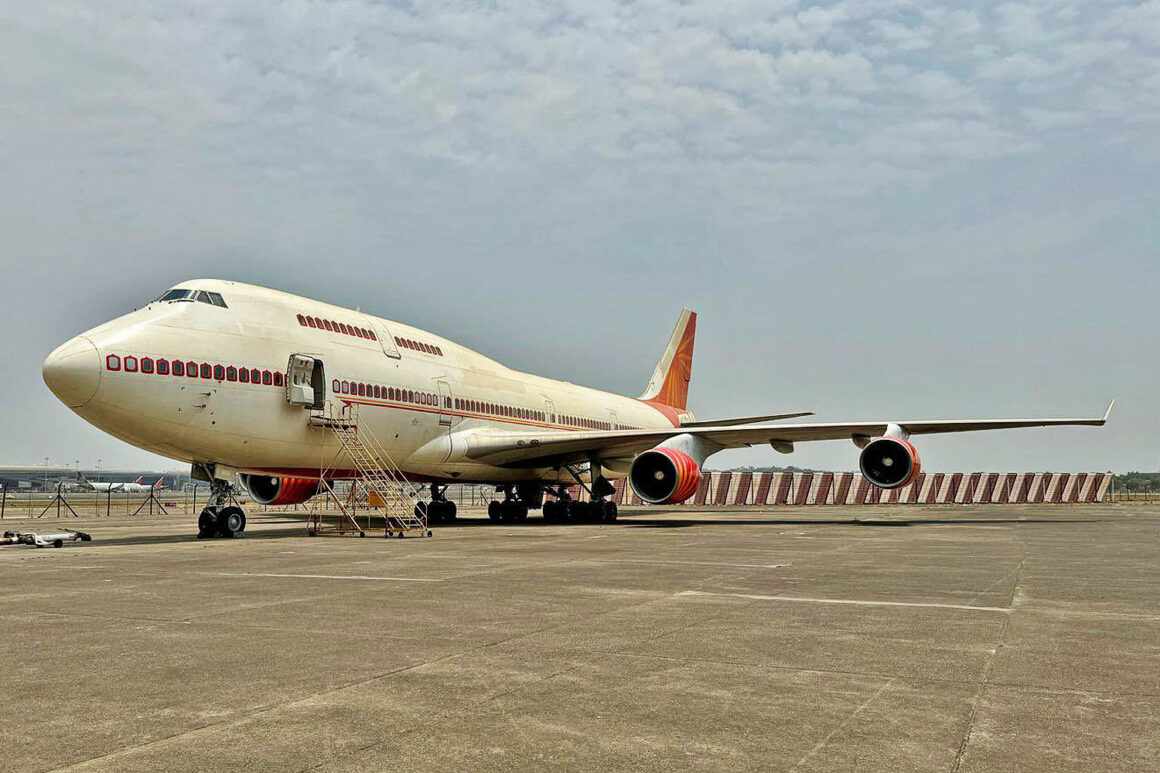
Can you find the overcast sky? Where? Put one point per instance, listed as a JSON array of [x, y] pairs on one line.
[[881, 209]]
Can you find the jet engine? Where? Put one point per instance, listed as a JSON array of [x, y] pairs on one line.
[[664, 476], [279, 490], [889, 462]]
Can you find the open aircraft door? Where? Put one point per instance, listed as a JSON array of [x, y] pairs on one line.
[[306, 382]]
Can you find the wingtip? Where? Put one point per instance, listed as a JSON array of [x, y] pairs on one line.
[[1108, 412]]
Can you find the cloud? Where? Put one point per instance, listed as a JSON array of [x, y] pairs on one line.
[[507, 86]]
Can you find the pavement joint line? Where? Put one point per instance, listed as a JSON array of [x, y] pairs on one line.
[[986, 678], [851, 602], [685, 563], [901, 678], [362, 577], [841, 726]]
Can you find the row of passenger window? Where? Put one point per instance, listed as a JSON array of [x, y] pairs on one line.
[[337, 327], [498, 409], [379, 392], [418, 346], [193, 369], [584, 423]]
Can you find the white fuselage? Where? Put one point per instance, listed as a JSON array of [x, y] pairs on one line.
[[421, 395]]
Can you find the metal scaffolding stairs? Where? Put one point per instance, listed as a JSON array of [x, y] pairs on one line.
[[382, 481]]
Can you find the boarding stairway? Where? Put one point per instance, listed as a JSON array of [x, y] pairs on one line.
[[382, 482]]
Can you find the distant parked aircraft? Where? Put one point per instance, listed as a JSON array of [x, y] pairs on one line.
[[136, 487]]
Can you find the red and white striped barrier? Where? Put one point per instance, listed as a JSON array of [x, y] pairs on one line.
[[740, 489]]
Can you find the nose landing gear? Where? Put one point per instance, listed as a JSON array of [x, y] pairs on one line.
[[221, 517]]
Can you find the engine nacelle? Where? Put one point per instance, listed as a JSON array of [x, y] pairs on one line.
[[279, 490], [889, 462], [664, 476]]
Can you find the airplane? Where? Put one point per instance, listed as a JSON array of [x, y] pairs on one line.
[[227, 377], [136, 487]]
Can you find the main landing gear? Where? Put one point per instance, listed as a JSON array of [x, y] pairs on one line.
[[440, 509], [598, 510], [220, 518], [513, 508], [567, 509], [518, 498]]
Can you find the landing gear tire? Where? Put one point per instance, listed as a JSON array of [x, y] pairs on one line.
[[494, 511], [554, 512], [437, 512], [207, 523], [607, 511], [231, 522]]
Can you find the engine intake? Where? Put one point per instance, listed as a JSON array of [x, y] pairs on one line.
[[664, 476], [889, 462], [280, 490]]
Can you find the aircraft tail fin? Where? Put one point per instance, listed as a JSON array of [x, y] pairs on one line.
[[669, 384]]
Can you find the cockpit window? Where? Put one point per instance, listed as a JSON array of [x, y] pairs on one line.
[[200, 296], [177, 295]]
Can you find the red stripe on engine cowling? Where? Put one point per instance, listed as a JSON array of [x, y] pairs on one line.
[[294, 491], [688, 475], [912, 452]]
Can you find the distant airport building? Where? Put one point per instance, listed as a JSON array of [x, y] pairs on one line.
[[42, 477]]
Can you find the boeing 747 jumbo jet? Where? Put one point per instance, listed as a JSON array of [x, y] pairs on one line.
[[228, 377]]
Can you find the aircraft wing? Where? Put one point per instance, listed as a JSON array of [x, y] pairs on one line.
[[746, 419], [536, 449]]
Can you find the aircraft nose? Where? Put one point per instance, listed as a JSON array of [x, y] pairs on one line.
[[73, 371]]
